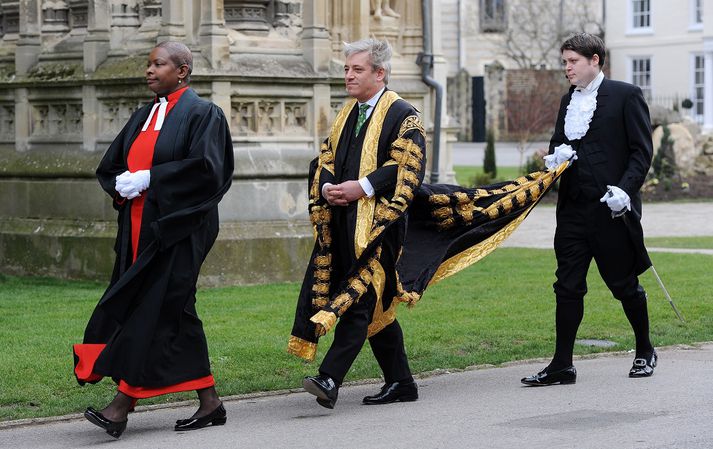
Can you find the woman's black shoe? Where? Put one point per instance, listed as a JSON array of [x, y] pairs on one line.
[[643, 367], [113, 428], [215, 418], [563, 376]]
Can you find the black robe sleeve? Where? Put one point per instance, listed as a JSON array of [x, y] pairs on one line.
[[185, 189]]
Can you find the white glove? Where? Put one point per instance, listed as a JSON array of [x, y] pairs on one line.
[[617, 200], [130, 185], [562, 153]]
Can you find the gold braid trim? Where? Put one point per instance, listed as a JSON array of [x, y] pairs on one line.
[[321, 214], [412, 122], [475, 253], [367, 164], [519, 193], [302, 348], [324, 320]]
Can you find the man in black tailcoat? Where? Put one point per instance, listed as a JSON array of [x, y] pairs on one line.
[[604, 130]]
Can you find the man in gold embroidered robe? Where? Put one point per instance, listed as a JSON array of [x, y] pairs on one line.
[[361, 187]]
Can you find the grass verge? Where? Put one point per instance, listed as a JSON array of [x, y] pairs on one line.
[[702, 242], [465, 174]]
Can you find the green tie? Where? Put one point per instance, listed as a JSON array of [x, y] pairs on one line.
[[362, 118]]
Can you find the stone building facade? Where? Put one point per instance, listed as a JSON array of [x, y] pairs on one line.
[[71, 74]]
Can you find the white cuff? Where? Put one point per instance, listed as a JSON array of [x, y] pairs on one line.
[[324, 195], [366, 187]]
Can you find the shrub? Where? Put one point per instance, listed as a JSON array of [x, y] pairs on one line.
[[489, 165], [664, 163]]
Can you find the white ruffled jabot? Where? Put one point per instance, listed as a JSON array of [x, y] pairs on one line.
[[579, 113]]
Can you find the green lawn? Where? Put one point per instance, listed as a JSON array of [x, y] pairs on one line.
[[466, 174], [702, 242], [499, 310]]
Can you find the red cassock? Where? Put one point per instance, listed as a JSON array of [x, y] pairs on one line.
[[145, 332]]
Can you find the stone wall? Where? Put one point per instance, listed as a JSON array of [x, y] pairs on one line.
[[71, 73]]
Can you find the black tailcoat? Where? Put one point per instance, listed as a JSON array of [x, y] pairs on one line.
[[616, 150]]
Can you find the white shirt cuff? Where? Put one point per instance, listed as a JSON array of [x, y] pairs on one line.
[[324, 195], [366, 187]]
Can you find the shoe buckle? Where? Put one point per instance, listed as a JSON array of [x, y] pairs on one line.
[[640, 363]]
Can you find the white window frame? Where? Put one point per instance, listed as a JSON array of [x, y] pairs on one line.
[[648, 91], [694, 98], [694, 6], [630, 28]]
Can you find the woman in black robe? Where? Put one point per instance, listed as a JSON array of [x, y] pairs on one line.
[[166, 171]]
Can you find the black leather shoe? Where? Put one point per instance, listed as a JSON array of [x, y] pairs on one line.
[[643, 367], [324, 387], [215, 418], [563, 376], [394, 392], [113, 428]]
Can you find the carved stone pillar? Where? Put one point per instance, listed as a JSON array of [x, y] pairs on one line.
[[29, 44], [213, 36], [55, 17], [172, 20], [124, 22], [315, 36], [150, 18], [411, 42], [349, 21], [97, 42], [247, 16]]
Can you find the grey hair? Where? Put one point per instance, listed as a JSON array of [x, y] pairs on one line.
[[180, 55], [379, 54]]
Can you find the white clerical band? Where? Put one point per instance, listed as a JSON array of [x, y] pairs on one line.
[[161, 106]]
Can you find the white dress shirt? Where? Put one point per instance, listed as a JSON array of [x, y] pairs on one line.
[[364, 182]]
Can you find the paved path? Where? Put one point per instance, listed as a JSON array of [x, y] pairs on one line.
[[658, 220], [481, 408]]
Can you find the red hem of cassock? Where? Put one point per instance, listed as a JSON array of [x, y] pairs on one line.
[[86, 356]]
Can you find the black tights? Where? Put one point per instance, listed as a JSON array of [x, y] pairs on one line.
[[569, 315]]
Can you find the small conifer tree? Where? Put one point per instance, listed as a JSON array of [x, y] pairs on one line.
[[489, 156]]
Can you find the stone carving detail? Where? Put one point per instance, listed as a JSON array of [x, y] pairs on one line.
[[295, 117], [264, 17], [151, 10], [10, 17], [269, 117], [383, 8], [78, 10], [7, 122], [247, 16], [288, 17], [125, 13], [55, 16], [115, 114], [336, 105], [56, 119]]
